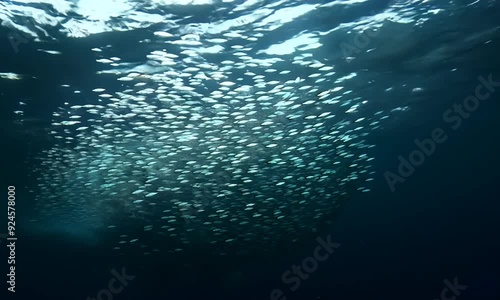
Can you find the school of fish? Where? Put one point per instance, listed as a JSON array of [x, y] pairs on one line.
[[211, 141]]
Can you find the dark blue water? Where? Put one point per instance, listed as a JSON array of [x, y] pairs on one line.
[[441, 224]]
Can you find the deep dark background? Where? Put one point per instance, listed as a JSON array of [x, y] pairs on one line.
[[440, 224]]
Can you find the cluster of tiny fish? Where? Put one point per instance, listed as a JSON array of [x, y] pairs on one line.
[[207, 150]]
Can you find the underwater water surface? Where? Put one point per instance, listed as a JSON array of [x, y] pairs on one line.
[[252, 149]]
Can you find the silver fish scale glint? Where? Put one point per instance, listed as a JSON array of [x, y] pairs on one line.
[[212, 141]]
